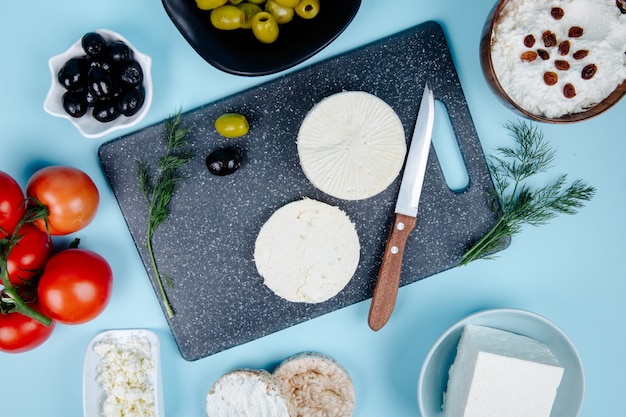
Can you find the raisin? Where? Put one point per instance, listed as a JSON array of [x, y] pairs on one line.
[[557, 13], [543, 54], [575, 32], [564, 48], [529, 41], [529, 56], [589, 71], [561, 65], [580, 54], [550, 78], [569, 91], [549, 39]]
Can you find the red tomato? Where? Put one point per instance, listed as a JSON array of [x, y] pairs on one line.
[[70, 195], [19, 333], [28, 257], [11, 204], [75, 286]]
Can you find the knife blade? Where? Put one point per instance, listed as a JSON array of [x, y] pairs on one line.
[[405, 217]]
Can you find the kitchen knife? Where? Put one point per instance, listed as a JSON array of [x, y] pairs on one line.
[[405, 217]]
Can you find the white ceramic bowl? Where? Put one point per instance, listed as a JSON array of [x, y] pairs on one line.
[[433, 378], [87, 125]]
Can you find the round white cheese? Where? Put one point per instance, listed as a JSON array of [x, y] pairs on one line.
[[351, 145], [317, 385], [247, 393], [307, 251]]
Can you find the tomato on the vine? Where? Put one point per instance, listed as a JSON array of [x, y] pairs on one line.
[[19, 333], [12, 205], [70, 195], [75, 286], [29, 255]]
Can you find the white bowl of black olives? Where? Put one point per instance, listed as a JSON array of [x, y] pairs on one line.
[[102, 83]]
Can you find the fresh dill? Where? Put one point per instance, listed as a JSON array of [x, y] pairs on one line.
[[159, 190], [520, 204]]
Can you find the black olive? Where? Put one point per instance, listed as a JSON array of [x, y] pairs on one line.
[[73, 74], [120, 52], [93, 43], [100, 62], [131, 101], [75, 103], [106, 111], [131, 73], [99, 83], [223, 161]]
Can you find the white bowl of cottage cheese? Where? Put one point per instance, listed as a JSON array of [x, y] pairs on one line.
[[561, 61]]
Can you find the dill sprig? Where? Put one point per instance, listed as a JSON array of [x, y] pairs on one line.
[[521, 204], [159, 190]]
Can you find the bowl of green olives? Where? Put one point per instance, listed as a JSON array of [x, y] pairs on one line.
[[102, 83], [259, 37]]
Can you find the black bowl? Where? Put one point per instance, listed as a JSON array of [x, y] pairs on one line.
[[239, 52]]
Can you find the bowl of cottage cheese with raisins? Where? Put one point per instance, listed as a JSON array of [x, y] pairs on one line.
[[558, 62]]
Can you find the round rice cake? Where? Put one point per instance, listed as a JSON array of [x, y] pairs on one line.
[[248, 393], [351, 145], [317, 385], [307, 251]]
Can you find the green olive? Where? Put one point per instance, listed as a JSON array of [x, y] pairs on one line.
[[232, 125], [256, 1], [249, 10], [265, 27], [281, 14], [210, 4], [288, 3], [227, 17], [234, 2], [307, 9]]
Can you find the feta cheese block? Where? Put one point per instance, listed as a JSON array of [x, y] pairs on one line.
[[307, 251], [501, 374], [248, 393], [317, 385], [351, 145]]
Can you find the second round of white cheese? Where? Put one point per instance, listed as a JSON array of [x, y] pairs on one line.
[[307, 251], [351, 145]]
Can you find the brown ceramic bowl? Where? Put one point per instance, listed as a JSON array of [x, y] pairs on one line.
[[500, 91]]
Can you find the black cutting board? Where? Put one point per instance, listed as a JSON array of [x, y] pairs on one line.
[[207, 243]]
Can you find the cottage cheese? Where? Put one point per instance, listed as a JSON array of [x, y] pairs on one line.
[[603, 37], [501, 374], [126, 374], [307, 251]]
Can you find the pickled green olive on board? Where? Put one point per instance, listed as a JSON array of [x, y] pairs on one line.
[[307, 9], [223, 161], [282, 14], [249, 10], [265, 27], [227, 17], [232, 125]]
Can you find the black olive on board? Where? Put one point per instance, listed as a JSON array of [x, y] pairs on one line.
[[223, 161], [93, 43]]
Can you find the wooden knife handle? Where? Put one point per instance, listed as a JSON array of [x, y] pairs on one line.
[[388, 282]]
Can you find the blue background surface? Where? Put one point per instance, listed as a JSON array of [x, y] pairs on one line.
[[570, 271]]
